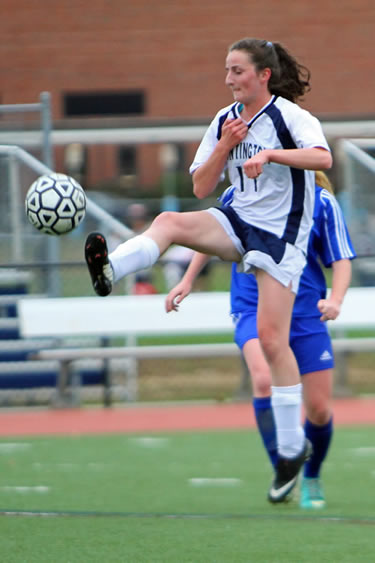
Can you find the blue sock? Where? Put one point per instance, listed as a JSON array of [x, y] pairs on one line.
[[266, 426], [320, 437]]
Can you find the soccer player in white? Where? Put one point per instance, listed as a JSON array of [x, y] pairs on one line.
[[270, 148]]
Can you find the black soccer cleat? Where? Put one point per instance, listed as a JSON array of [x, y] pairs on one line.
[[96, 256], [286, 474]]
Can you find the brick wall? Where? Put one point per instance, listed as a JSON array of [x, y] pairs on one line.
[[175, 50]]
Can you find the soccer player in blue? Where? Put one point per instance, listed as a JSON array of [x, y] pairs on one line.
[[270, 148], [330, 245]]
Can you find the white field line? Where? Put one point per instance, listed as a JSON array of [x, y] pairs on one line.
[[68, 466], [12, 447], [370, 450], [361, 520], [22, 489], [215, 481], [150, 441]]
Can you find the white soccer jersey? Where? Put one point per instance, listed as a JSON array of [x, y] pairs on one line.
[[281, 200]]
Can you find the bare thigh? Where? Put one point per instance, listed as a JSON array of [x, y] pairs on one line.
[[197, 230], [275, 304]]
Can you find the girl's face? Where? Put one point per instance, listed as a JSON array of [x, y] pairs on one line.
[[247, 85]]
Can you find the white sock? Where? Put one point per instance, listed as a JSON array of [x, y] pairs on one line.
[[133, 255], [286, 405]]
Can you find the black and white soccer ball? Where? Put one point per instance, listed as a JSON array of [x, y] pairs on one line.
[[55, 204]]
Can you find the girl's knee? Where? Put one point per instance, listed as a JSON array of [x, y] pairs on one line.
[[271, 342], [165, 219], [318, 413], [261, 385], [165, 228]]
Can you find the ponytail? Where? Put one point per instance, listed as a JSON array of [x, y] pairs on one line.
[[289, 79], [322, 180]]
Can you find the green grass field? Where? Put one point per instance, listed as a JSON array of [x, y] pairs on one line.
[[186, 497]]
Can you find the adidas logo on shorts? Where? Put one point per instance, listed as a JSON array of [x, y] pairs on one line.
[[325, 356]]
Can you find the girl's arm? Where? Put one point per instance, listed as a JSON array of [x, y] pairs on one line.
[[182, 289], [308, 159], [207, 176]]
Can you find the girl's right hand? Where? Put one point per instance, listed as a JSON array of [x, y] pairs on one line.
[[233, 132]]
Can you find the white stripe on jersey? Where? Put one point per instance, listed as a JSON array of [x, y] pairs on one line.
[[328, 200]]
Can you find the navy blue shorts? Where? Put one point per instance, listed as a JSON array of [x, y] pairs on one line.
[[309, 340]]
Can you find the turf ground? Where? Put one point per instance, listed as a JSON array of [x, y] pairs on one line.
[[174, 492]]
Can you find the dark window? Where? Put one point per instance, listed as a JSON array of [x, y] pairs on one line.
[[104, 103], [127, 161], [181, 162]]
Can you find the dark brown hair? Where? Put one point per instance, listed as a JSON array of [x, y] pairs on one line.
[[289, 79]]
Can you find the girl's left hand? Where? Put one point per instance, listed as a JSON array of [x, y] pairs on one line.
[[253, 167], [329, 308]]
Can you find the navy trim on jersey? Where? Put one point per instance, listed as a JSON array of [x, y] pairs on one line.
[[253, 238], [236, 114], [222, 119], [264, 110], [298, 177]]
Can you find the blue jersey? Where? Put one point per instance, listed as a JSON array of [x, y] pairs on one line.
[[329, 241]]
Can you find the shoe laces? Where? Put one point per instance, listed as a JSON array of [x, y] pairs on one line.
[[108, 271]]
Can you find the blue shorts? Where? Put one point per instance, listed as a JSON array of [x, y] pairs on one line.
[[309, 340]]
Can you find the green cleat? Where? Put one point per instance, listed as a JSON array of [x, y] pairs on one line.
[[312, 495]]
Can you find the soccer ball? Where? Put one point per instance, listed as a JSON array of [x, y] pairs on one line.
[[55, 204]]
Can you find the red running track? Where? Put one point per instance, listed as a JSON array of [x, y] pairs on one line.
[[359, 411]]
